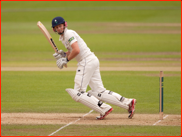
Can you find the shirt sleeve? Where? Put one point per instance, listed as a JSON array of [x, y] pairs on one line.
[[70, 37]]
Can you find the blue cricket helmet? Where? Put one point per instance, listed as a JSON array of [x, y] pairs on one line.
[[57, 20]]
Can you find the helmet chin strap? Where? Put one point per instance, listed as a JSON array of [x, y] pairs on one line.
[[62, 32]]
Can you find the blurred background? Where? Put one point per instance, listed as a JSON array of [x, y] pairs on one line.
[[120, 33]]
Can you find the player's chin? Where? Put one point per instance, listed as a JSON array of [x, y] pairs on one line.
[[59, 31]]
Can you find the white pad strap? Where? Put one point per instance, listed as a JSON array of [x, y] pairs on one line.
[[89, 101], [112, 98]]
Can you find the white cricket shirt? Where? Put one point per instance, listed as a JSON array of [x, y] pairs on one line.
[[69, 37]]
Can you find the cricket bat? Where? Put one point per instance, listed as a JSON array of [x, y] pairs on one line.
[[48, 36]]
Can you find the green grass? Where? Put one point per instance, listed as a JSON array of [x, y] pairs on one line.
[[86, 11], [28, 130], [125, 42], [45, 91], [37, 49], [53, 4], [23, 43], [35, 41], [90, 130], [121, 131]]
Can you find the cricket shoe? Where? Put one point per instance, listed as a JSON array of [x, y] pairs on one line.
[[131, 109], [103, 116]]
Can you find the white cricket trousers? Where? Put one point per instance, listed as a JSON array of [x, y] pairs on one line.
[[88, 73]]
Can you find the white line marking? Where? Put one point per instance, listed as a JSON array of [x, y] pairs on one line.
[[166, 116], [70, 123], [157, 122], [160, 120]]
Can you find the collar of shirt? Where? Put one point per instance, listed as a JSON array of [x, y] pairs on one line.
[[63, 37]]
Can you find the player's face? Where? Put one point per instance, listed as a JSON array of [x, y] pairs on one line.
[[59, 28]]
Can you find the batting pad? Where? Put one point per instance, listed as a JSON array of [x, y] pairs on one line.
[[89, 101], [112, 98]]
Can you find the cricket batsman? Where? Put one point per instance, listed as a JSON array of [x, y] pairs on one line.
[[87, 73]]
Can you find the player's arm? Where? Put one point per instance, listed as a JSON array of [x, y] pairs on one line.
[[75, 51]]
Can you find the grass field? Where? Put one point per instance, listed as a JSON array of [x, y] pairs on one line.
[[121, 34], [45, 92]]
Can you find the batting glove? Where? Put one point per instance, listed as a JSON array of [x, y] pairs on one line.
[[62, 62], [62, 53], [57, 56]]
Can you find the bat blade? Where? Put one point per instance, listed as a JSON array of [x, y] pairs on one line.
[[48, 36]]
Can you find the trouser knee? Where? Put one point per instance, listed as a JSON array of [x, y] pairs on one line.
[[76, 95]]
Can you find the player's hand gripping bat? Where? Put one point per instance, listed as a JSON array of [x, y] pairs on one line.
[[48, 36]]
